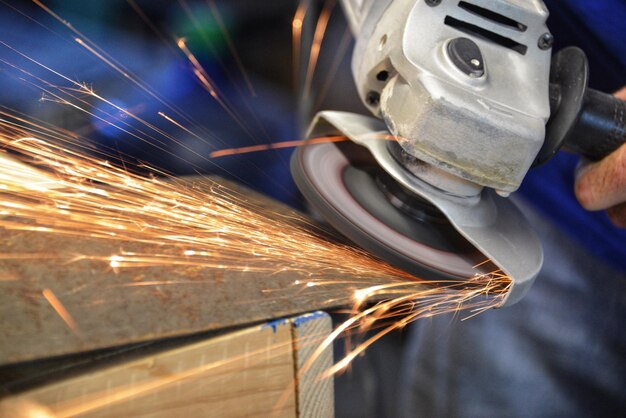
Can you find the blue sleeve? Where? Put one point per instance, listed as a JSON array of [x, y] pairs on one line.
[[551, 189], [599, 27]]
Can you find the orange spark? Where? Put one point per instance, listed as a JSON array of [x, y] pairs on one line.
[[209, 85], [293, 144], [450, 297], [318, 38], [179, 125], [275, 145], [60, 310], [296, 35]]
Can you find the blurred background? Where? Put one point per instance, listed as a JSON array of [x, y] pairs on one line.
[[246, 48]]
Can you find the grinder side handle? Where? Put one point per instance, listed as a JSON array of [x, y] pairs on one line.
[[601, 126], [583, 120]]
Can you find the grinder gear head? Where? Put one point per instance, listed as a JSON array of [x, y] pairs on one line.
[[462, 84]]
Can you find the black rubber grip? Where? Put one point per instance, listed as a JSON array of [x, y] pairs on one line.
[[600, 128]]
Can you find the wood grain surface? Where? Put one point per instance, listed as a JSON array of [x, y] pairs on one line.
[[115, 308], [248, 373]]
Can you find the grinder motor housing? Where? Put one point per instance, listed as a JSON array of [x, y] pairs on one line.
[[463, 85]]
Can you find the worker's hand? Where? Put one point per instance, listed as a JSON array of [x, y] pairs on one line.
[[602, 185]]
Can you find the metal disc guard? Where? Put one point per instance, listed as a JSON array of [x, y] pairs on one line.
[[492, 224]]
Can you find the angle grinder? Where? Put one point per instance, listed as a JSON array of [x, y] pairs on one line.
[[466, 97]]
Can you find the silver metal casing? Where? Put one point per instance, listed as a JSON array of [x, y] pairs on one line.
[[486, 129]]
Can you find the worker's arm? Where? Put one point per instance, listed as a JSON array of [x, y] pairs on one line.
[[602, 185]]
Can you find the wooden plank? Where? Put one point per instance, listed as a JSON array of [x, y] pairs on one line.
[[315, 394], [243, 374], [115, 308]]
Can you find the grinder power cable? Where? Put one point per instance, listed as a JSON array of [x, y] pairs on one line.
[[466, 97]]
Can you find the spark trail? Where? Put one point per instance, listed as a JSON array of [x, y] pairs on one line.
[[52, 184], [74, 194]]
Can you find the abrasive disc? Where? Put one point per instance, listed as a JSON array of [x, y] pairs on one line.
[[345, 184]]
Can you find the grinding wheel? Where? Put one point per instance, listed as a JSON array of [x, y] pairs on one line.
[[345, 184]]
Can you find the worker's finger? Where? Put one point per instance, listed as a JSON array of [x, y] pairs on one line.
[[617, 214], [621, 94], [602, 185]]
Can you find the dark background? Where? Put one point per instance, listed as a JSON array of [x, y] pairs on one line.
[[261, 32]]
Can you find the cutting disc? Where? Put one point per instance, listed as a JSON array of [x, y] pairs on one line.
[[345, 184]]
